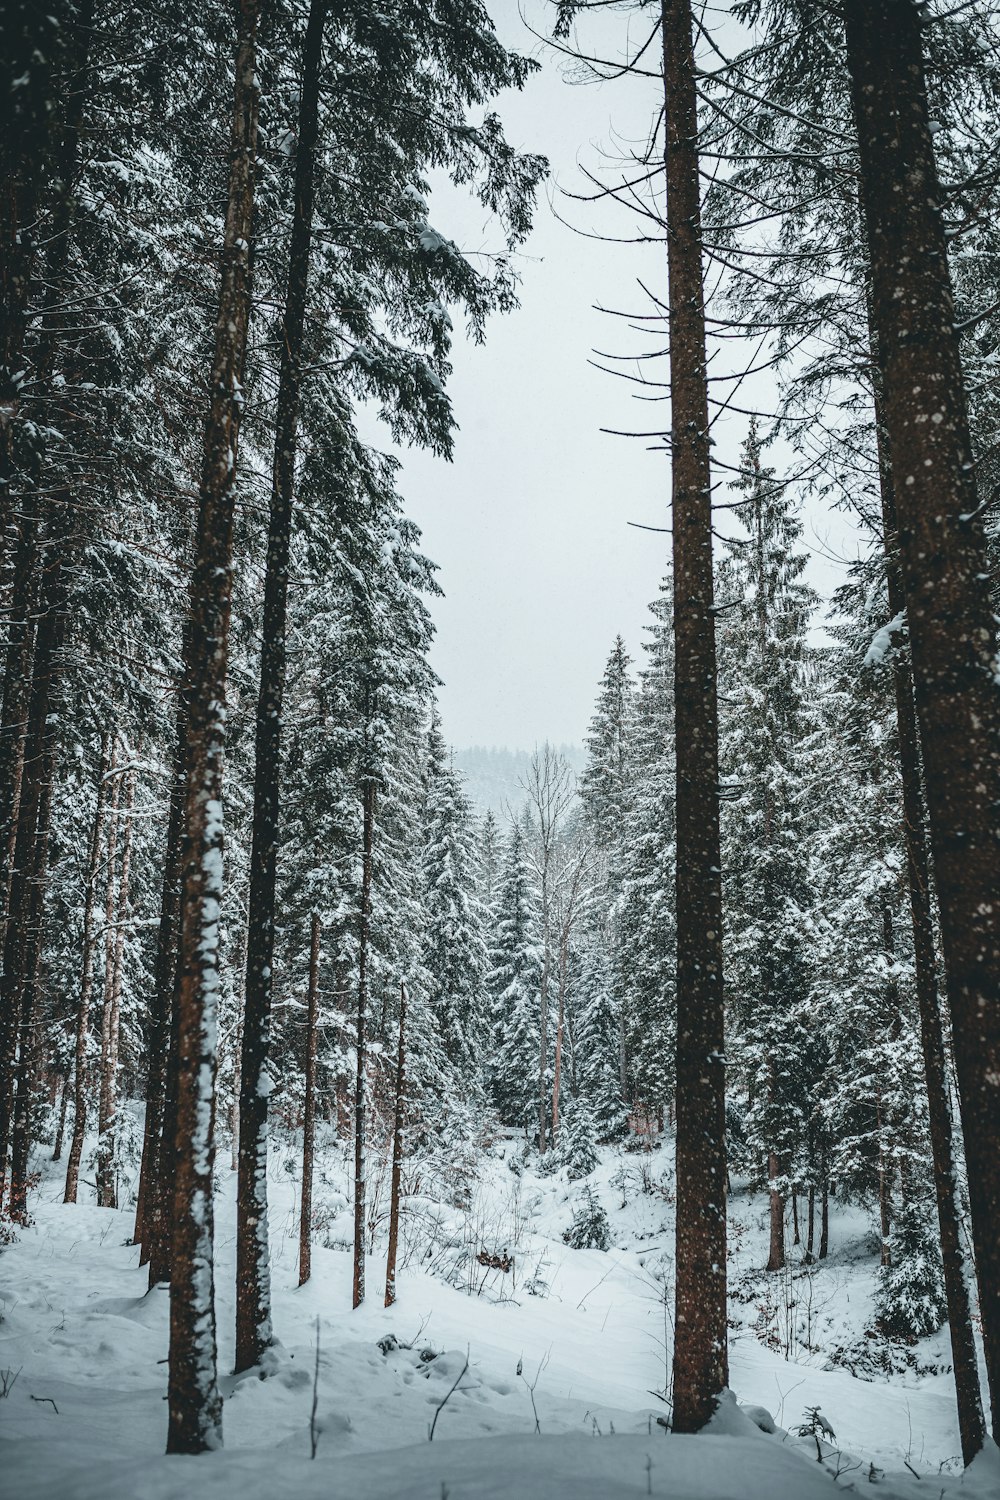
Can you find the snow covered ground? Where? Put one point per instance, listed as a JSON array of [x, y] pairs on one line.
[[85, 1418]]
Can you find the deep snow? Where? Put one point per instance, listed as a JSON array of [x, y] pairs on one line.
[[86, 1419]]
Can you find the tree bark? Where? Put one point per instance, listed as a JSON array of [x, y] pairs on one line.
[[109, 1086], [195, 1420], [945, 578], [884, 1188], [700, 1367], [309, 1108], [61, 1127], [32, 862], [22, 938], [152, 1213], [776, 1212], [397, 1155], [253, 1298], [358, 1290], [824, 1221], [105, 1167], [557, 1066], [971, 1422], [86, 985], [811, 1225]]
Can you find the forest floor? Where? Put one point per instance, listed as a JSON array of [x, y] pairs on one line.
[[85, 1418]]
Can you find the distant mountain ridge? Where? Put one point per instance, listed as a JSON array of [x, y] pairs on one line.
[[494, 775]]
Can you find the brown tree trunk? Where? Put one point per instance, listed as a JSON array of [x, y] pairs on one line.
[[16, 693], [61, 1127], [776, 1205], [253, 1296], [557, 1067], [152, 1213], [358, 1290], [824, 1221], [945, 578], [543, 1050], [811, 1225], [701, 1366], [884, 1189], [195, 1421], [309, 1108], [109, 1089], [397, 1155], [796, 1237], [105, 1164], [971, 1421], [22, 939], [37, 512], [234, 1102], [41, 750], [86, 985]]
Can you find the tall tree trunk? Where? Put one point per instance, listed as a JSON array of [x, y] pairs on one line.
[[152, 1213], [105, 1166], [361, 1045], [811, 1225], [57, 1148], [195, 1421], [253, 1283], [824, 1221], [86, 985], [16, 690], [234, 1101], [109, 1084], [971, 1421], [32, 863], [543, 1038], [945, 578], [397, 1155], [776, 1210], [557, 1067], [309, 1107], [884, 1186], [22, 938], [701, 1365], [36, 511]]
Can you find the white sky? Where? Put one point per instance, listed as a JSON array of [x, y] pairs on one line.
[[529, 522]]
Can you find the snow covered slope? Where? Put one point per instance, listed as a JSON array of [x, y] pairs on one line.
[[86, 1420]]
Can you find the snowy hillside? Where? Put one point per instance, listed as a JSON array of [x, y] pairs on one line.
[[566, 1386]]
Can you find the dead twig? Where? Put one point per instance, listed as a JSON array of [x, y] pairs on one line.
[[313, 1433], [444, 1403]]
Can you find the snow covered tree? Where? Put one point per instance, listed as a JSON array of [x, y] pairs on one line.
[[454, 952], [515, 983], [577, 1151], [645, 960], [764, 664]]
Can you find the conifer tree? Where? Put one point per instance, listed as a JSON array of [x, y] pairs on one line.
[[515, 981], [764, 664], [454, 946]]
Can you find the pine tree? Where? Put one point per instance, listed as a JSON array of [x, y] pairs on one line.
[[514, 982], [764, 668], [577, 1151], [454, 948]]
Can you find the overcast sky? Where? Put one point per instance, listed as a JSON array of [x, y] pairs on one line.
[[529, 523]]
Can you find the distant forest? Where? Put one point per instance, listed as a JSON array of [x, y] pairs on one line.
[[494, 778]]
